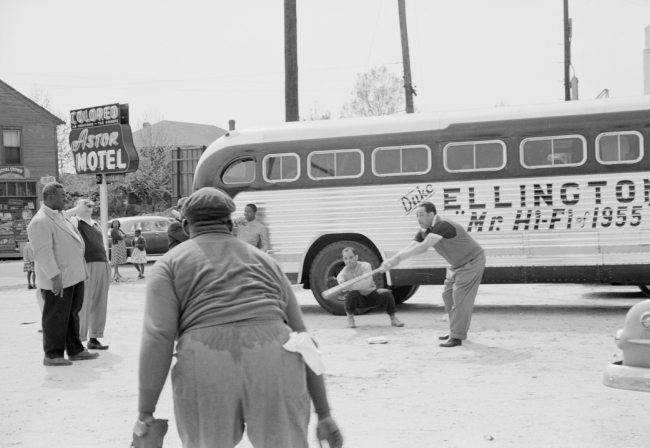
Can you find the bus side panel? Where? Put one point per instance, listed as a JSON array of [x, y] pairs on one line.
[[534, 229]]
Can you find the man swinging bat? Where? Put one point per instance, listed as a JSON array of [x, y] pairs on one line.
[[466, 265], [364, 293]]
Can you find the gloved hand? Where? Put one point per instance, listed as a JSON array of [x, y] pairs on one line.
[[329, 431], [149, 432]]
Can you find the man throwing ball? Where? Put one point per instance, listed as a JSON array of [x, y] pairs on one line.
[[466, 265], [364, 293]]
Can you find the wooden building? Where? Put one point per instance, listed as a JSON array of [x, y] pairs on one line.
[[28, 158]]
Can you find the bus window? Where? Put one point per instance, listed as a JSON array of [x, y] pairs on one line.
[[475, 156], [337, 164], [281, 168], [546, 152], [400, 160], [619, 147], [241, 171]]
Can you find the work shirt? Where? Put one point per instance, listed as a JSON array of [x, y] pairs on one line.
[[254, 233], [364, 287], [457, 247], [211, 279]]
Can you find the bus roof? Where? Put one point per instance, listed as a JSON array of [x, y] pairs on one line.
[[395, 124]]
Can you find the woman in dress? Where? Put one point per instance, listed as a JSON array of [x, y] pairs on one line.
[[118, 251], [139, 254]]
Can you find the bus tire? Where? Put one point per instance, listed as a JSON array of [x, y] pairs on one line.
[[327, 265], [645, 290], [403, 292]]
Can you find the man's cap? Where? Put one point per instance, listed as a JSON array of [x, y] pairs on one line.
[[208, 204], [178, 210]]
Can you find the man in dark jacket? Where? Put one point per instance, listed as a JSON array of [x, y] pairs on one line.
[[175, 234]]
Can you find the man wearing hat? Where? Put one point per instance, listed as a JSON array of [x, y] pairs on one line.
[[175, 234], [230, 309]]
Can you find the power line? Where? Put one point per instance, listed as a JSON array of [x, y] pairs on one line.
[[211, 79], [166, 89], [373, 35]]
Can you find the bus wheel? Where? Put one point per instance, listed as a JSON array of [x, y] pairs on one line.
[[403, 292], [645, 290], [327, 265]]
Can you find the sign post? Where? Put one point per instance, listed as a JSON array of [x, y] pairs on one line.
[[102, 144]]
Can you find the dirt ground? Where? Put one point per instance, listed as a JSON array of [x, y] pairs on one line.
[[529, 375]]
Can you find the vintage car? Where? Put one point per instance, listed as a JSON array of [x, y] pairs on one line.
[[153, 228], [633, 372]]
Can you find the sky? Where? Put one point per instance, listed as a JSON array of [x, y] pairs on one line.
[[209, 61]]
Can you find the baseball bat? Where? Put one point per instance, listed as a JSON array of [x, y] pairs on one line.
[[337, 289]]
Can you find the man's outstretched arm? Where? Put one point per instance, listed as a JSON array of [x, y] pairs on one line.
[[414, 248]]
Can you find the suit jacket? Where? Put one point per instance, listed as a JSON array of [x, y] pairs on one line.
[[58, 248]]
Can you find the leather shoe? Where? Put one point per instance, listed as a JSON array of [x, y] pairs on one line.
[[451, 342], [96, 346], [444, 337], [57, 362], [82, 356]]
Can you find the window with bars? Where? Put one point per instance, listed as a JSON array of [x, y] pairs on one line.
[[281, 167], [401, 160], [547, 152], [619, 147], [13, 188], [475, 156], [335, 164]]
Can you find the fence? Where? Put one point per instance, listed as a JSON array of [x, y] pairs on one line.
[[183, 161]]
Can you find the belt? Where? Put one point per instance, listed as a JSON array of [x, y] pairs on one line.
[[462, 265], [467, 262]]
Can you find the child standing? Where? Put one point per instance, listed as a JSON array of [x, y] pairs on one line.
[[28, 258], [139, 254]]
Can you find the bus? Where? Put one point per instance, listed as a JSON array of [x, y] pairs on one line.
[[555, 193]]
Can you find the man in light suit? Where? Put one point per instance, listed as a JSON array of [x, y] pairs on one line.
[[60, 274]]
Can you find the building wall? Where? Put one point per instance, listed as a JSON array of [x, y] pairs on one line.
[[38, 134], [21, 195]]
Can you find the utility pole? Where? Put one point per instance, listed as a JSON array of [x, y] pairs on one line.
[[567, 52], [290, 61], [408, 87]]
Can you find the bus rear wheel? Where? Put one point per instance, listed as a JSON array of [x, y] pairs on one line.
[[403, 292], [645, 289], [327, 265]]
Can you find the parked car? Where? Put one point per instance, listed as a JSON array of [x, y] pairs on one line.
[[633, 372], [153, 228]]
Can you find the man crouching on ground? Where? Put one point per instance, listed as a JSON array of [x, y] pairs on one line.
[[364, 293]]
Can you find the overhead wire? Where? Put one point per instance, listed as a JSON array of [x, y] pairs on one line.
[[372, 41]]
